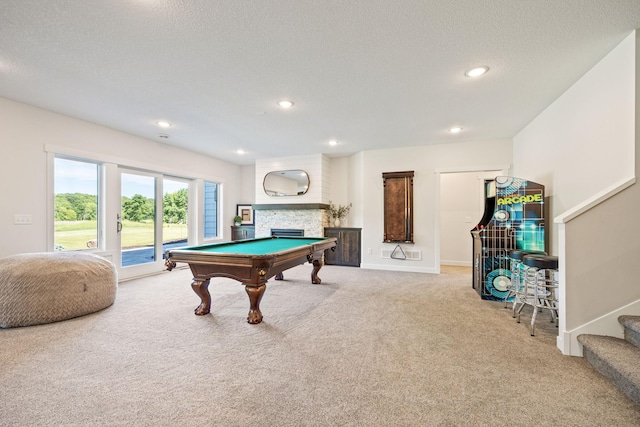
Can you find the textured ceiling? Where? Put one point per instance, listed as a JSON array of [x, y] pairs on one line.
[[372, 74]]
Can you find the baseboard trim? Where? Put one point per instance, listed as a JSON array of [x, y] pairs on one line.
[[408, 269], [457, 263], [604, 325]]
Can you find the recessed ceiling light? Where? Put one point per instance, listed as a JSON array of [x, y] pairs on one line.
[[240, 151], [285, 103], [163, 124], [456, 129], [477, 71], [333, 142]]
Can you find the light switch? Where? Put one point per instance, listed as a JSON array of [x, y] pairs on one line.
[[22, 219]]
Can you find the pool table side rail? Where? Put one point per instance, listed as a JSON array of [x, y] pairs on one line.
[[192, 255]]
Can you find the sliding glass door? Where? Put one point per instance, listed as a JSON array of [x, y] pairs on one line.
[[127, 215], [175, 213], [153, 217], [138, 218]]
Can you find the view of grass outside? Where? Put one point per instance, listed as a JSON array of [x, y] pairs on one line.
[[75, 234], [76, 220], [76, 207]]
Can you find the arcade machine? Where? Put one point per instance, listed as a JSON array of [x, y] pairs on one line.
[[513, 219]]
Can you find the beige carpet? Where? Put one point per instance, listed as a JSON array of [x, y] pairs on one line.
[[365, 347]]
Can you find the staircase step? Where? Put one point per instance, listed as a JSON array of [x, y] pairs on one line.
[[631, 328], [616, 359]]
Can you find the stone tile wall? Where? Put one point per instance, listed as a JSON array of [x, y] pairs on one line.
[[312, 221]]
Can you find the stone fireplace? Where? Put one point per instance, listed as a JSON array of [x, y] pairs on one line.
[[312, 218]]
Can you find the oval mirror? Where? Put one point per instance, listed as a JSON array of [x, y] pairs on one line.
[[286, 183]]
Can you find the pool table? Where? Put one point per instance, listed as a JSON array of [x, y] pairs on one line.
[[251, 262]]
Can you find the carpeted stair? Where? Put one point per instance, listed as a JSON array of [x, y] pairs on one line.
[[615, 358]]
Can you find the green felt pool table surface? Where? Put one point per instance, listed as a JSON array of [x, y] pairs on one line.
[[263, 246], [251, 262]]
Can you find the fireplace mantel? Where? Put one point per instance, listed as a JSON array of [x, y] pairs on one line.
[[285, 206]]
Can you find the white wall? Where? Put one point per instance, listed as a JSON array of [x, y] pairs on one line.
[[24, 131], [424, 161], [315, 165], [356, 190], [584, 141], [248, 193], [583, 144], [341, 181]]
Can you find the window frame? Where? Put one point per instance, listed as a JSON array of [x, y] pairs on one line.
[[203, 236], [109, 204], [100, 200]]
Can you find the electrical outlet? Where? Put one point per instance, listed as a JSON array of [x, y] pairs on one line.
[[22, 219], [369, 251]]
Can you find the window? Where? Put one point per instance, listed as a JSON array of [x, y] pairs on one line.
[[175, 212], [210, 214], [139, 215], [75, 204], [123, 212]]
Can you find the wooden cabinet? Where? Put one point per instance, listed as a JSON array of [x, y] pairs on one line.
[[348, 246], [241, 232]]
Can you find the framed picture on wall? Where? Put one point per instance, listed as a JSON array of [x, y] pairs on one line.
[[246, 213]]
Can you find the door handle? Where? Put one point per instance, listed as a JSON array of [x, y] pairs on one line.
[[118, 225]]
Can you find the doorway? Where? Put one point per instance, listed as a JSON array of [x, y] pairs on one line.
[[461, 201], [153, 217]]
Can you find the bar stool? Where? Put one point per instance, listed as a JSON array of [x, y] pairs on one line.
[[541, 286], [516, 290]]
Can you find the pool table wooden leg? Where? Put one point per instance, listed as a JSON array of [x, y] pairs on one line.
[[255, 295], [317, 265], [201, 288]]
